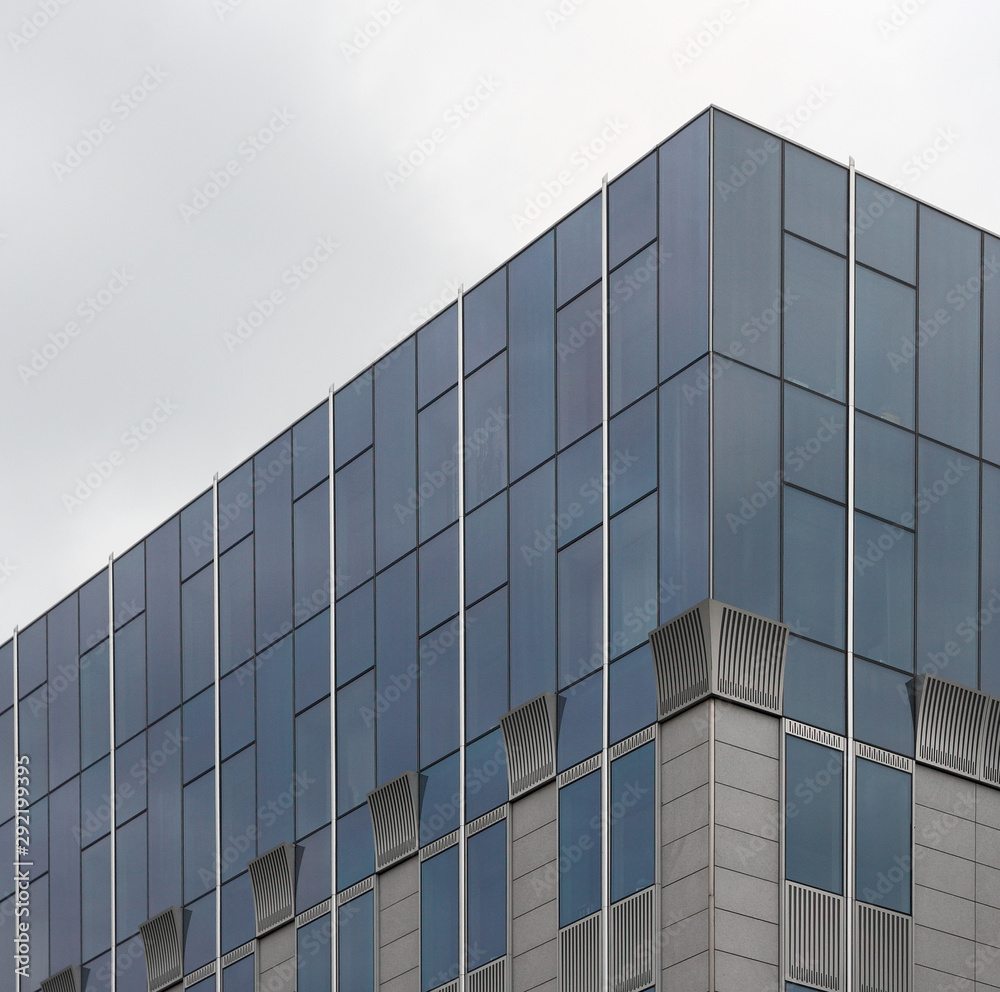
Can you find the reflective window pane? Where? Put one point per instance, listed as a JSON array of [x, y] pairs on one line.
[[633, 822], [814, 813], [313, 955], [580, 721], [95, 708], [578, 250], [991, 350], [352, 411], [580, 849], [355, 848], [484, 319], [632, 327], [130, 679], [238, 801], [163, 619], [355, 742], [275, 743], [437, 498], [883, 836], [635, 594], [273, 540], [580, 613], [437, 355], [487, 895], [439, 920], [439, 579], [197, 632], [886, 230], [632, 685], [238, 923], [883, 707], [313, 884], [130, 585], [64, 704], [578, 366], [815, 443], [311, 447], [580, 494], [311, 522], [441, 793], [486, 432], [354, 524], [312, 661], [815, 685], [440, 703], [312, 767], [633, 453], [236, 709], [356, 633], [356, 949], [486, 548], [632, 210], [485, 775], [816, 198], [486, 691], [236, 505], [197, 535], [883, 470], [989, 676], [236, 622]]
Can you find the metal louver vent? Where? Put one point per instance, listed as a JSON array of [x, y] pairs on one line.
[[814, 947], [720, 650], [883, 757], [631, 943], [450, 987], [394, 809], [948, 725], [580, 956], [491, 977], [163, 945], [272, 876], [67, 980], [882, 950], [989, 743], [529, 735]]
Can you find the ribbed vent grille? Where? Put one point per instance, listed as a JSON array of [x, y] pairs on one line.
[[681, 661], [989, 761], [529, 735], [883, 757], [450, 987], [67, 980], [883, 949], [808, 733], [751, 658], [273, 878], [631, 943], [580, 956], [395, 818], [487, 820], [238, 954], [948, 725], [313, 914], [578, 771], [815, 937], [439, 845], [631, 743], [163, 946], [196, 976], [355, 890], [491, 977]]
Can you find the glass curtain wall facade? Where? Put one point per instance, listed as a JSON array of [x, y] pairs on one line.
[[737, 372]]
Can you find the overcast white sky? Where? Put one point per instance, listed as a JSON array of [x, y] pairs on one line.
[[183, 85]]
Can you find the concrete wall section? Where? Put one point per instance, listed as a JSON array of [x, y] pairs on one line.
[[399, 928]]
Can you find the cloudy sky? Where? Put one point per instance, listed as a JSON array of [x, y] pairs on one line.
[[165, 165]]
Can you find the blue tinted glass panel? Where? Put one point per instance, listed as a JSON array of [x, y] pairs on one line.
[[989, 676], [816, 198], [816, 685], [440, 795], [130, 585], [355, 848], [883, 599], [440, 704], [884, 836], [532, 587], [883, 707], [64, 700], [578, 250], [163, 619], [275, 732], [236, 709], [314, 872], [64, 873], [236, 505], [632, 210], [886, 230], [580, 849], [684, 195], [356, 633], [38, 815], [815, 443], [356, 935], [439, 579], [684, 490], [486, 432], [354, 524], [130, 853], [634, 592], [352, 411], [199, 941], [197, 535], [437, 427], [578, 478], [395, 454], [356, 742], [96, 882], [633, 454], [948, 394], [199, 834], [883, 470], [632, 327], [747, 211], [197, 632], [313, 955], [95, 789], [312, 553], [632, 684], [486, 693], [94, 611], [199, 732], [7, 772], [439, 920], [396, 668], [33, 738], [484, 319], [312, 769], [31, 657], [239, 977], [311, 448], [273, 540], [485, 775], [815, 318], [312, 661], [578, 366], [95, 708], [437, 355], [991, 350], [131, 771], [163, 787], [238, 923], [747, 487], [532, 356], [239, 812], [486, 548], [884, 355], [814, 830], [814, 598], [633, 822], [130, 679], [947, 569], [580, 614], [580, 721], [236, 626], [487, 895], [6, 675]]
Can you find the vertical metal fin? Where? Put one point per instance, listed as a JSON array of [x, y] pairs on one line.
[[395, 813], [163, 945], [631, 943], [814, 947], [989, 743], [948, 725], [272, 876], [681, 660], [580, 956], [882, 950], [529, 735]]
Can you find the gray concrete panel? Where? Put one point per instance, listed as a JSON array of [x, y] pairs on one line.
[[943, 791], [684, 939], [944, 912], [988, 885], [690, 975], [684, 773], [534, 889], [944, 872], [537, 927], [944, 831], [684, 898], [747, 895], [747, 937], [929, 980], [685, 855], [532, 850], [533, 810], [988, 845], [399, 956], [684, 731], [398, 882], [686, 813], [757, 773], [737, 974], [535, 967], [747, 853], [746, 728], [747, 811], [275, 947], [944, 952]]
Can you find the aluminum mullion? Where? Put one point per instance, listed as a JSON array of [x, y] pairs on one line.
[[605, 595], [217, 662], [334, 909], [463, 893], [112, 771], [16, 755]]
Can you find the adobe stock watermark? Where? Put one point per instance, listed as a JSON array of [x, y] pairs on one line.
[[88, 310], [899, 16], [562, 12], [421, 150], [7, 569], [928, 156], [122, 107], [223, 8], [366, 33], [45, 11], [446, 295], [742, 172], [131, 440], [711, 29], [246, 152], [582, 157], [293, 278], [803, 113]]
